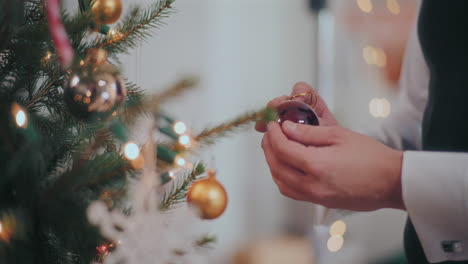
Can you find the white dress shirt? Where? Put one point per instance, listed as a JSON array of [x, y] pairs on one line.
[[435, 184]]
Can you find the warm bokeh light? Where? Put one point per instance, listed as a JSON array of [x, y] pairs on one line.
[[393, 6], [114, 33], [82, 62], [380, 108], [365, 5], [48, 55], [1, 227], [380, 58], [131, 151], [335, 243], [103, 249], [369, 54], [180, 128], [374, 56], [338, 228]]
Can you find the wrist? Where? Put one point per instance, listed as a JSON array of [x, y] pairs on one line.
[[395, 198]]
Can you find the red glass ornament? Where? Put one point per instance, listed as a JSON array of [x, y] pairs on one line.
[[297, 112]]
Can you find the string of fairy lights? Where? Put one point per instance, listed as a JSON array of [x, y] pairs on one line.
[[375, 56]]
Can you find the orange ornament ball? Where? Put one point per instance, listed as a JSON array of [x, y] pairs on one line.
[[209, 197], [106, 11]]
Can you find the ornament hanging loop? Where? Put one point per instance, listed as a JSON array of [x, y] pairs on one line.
[[211, 174], [313, 100]]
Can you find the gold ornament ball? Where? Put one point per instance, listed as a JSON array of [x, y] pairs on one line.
[[106, 11], [209, 196], [96, 57]]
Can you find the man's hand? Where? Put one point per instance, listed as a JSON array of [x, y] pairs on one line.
[[326, 118], [333, 166]]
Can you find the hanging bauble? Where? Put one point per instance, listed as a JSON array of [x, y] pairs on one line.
[[96, 57], [297, 112], [94, 92], [208, 196], [106, 11]]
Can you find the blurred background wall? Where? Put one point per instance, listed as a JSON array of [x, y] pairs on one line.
[[247, 52]]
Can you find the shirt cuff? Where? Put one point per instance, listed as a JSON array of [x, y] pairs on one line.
[[435, 193]]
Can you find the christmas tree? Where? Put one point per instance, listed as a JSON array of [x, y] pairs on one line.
[[74, 186]]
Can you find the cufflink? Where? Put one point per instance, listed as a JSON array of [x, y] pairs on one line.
[[452, 246]]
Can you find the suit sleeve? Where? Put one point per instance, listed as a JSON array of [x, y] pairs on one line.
[[434, 184]]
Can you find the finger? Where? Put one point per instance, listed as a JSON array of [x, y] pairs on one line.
[[312, 135], [260, 126], [302, 87], [281, 171], [287, 178], [313, 99], [288, 151], [275, 102]]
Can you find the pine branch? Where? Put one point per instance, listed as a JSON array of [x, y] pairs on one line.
[[135, 28], [133, 106], [205, 241], [208, 136], [136, 104], [177, 89], [178, 194]]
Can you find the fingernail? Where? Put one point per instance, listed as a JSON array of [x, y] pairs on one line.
[[290, 125]]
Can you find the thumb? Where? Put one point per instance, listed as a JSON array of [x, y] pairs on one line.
[[311, 135]]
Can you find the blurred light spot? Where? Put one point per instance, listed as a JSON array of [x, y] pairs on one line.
[[335, 243], [1, 227], [75, 80], [369, 54], [380, 108], [184, 140], [114, 33], [180, 161], [380, 58], [365, 5], [82, 62], [102, 83], [131, 151], [338, 228], [48, 55], [77, 97], [19, 115], [393, 6], [180, 128], [88, 93], [21, 118], [105, 95], [171, 174]]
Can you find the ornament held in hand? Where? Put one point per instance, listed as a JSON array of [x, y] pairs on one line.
[[297, 112], [106, 11], [94, 92], [208, 196]]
